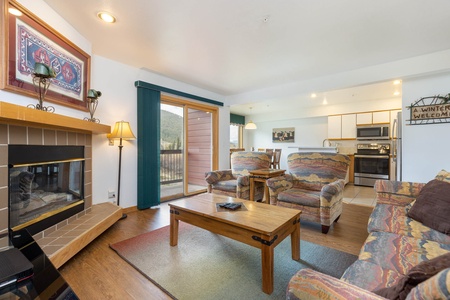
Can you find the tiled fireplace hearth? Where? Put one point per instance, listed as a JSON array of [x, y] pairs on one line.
[[25, 126]]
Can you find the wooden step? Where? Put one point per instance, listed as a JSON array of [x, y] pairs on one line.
[[61, 242]]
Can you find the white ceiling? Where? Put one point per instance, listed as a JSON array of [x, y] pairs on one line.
[[238, 46]]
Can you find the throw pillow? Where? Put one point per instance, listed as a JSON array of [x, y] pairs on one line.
[[416, 275], [432, 206]]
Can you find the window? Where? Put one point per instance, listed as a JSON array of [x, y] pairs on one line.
[[236, 133]]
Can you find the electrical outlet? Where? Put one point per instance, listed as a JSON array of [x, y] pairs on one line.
[[111, 194]]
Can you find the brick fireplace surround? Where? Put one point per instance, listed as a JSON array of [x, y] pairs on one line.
[[25, 126]]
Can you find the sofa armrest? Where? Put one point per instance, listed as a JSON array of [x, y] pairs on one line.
[[243, 181], [399, 193], [278, 184], [436, 287], [216, 176], [310, 284], [332, 193]]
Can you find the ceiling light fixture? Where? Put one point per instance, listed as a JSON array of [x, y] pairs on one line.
[[250, 125], [107, 17], [396, 82], [396, 93], [324, 102], [313, 95]]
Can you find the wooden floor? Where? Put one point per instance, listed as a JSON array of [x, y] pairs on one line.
[[97, 272]]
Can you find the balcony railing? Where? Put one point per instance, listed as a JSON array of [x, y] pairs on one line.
[[171, 166]]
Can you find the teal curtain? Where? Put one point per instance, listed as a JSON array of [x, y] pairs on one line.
[[237, 119], [148, 139]]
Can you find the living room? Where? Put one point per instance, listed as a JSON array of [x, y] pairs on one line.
[[423, 73]]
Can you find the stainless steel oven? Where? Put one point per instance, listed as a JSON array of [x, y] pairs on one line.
[[371, 163]]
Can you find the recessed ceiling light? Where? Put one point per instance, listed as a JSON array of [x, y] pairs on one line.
[[396, 93], [15, 11], [397, 82], [107, 17], [313, 95], [324, 102]]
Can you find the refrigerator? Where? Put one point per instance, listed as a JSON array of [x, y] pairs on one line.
[[397, 146]]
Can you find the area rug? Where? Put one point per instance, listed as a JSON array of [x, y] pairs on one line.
[[205, 265]]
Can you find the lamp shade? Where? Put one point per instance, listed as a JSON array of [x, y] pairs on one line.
[[122, 130], [250, 125], [93, 94], [43, 70]]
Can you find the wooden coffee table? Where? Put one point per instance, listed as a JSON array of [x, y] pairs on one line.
[[256, 224]]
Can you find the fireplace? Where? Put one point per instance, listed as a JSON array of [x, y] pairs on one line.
[[46, 185]]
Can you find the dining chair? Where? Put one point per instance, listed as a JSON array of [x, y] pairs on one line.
[[276, 159]]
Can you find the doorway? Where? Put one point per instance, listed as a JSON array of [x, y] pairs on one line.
[[187, 143]]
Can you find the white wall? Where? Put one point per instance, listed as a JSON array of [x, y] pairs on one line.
[[426, 148], [308, 132], [118, 102]]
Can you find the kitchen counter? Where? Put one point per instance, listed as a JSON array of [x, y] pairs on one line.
[[316, 149]]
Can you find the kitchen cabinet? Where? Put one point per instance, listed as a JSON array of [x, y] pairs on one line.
[[334, 127], [342, 126], [348, 128], [364, 119], [381, 117]]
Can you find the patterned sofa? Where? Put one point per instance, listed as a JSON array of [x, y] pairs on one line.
[[313, 183], [236, 182], [395, 247]]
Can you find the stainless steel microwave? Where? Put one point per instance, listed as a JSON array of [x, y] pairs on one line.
[[374, 132]]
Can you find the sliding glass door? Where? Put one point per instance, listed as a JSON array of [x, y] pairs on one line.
[[187, 146], [171, 153], [199, 148]]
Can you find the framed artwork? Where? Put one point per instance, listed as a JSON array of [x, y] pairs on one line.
[[283, 135], [26, 39]]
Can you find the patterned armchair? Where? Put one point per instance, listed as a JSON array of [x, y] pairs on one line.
[[314, 183], [236, 182]]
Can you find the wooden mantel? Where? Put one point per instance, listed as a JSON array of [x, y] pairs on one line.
[[20, 115]]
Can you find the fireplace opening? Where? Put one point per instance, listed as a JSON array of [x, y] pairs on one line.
[[46, 185]]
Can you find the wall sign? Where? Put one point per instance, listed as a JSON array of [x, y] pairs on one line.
[[430, 110]]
